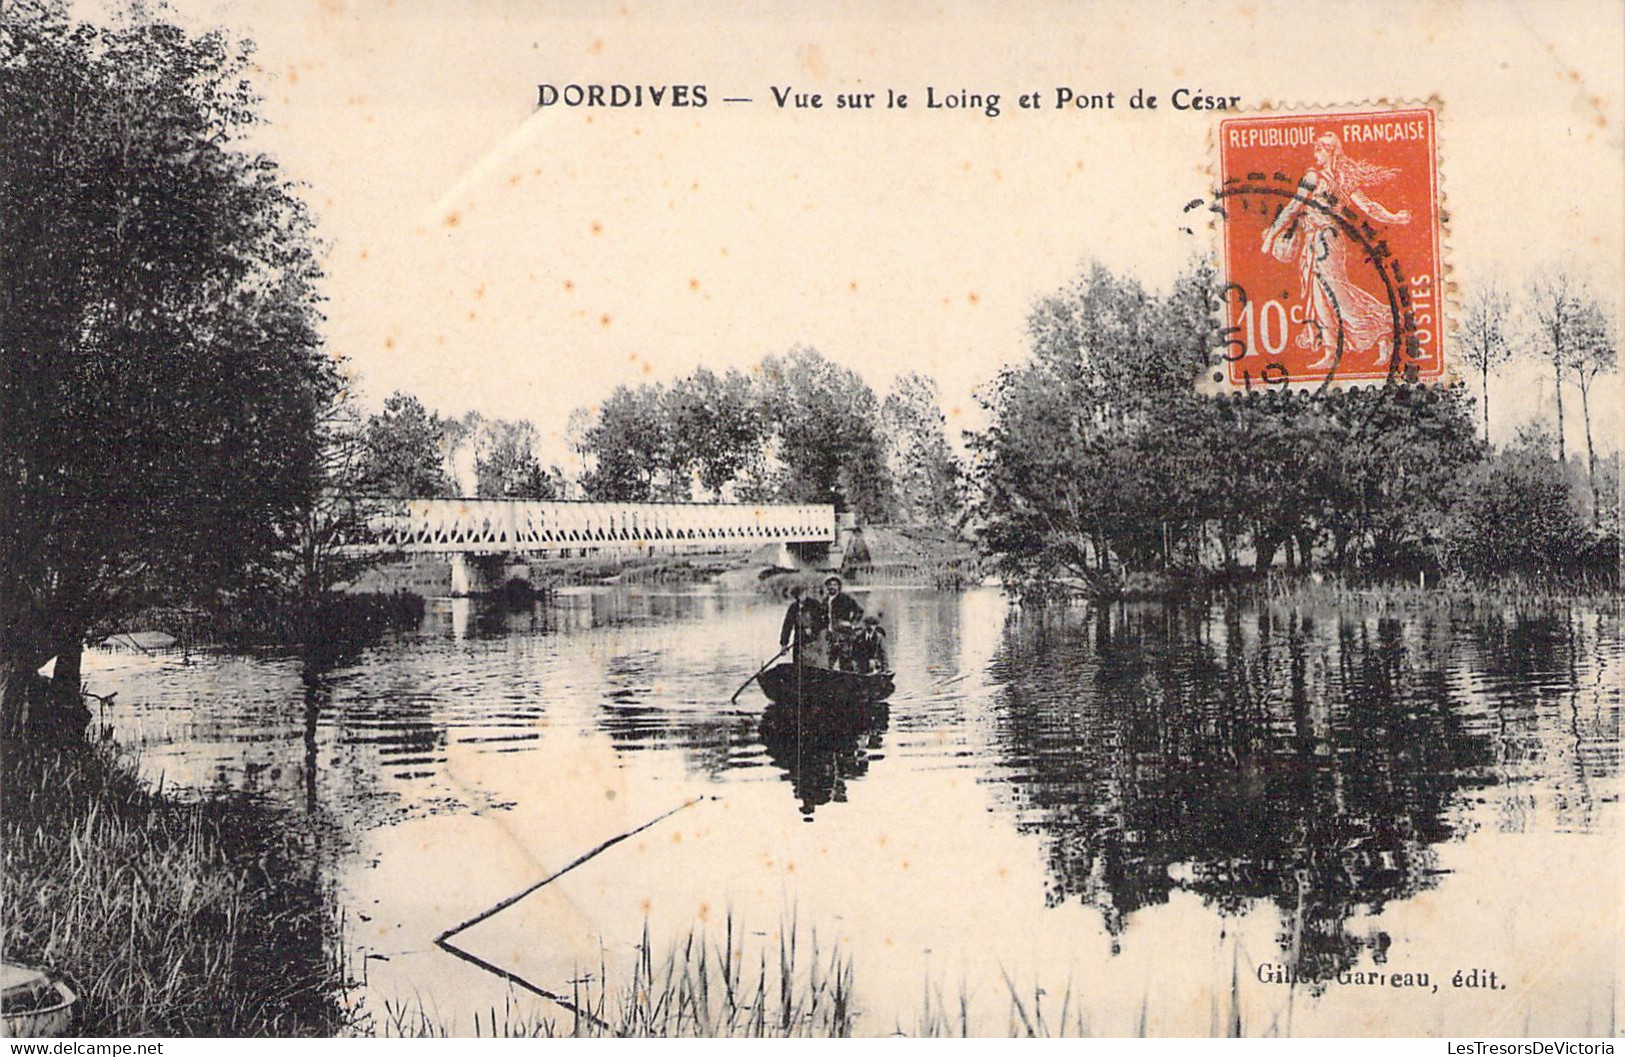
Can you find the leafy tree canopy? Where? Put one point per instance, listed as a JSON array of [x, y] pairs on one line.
[[406, 449], [159, 318]]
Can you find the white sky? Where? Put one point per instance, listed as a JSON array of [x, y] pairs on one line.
[[486, 255]]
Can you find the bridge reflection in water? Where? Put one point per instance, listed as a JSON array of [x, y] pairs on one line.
[[1142, 793]]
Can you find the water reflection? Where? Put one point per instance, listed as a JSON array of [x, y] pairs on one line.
[[1239, 756], [820, 752], [1129, 772]]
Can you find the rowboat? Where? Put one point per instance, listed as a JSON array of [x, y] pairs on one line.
[[816, 687], [34, 1003]]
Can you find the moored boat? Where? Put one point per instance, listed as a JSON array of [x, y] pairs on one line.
[[34, 1003], [816, 687]]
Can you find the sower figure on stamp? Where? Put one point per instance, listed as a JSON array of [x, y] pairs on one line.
[[842, 615], [804, 624], [1333, 303]]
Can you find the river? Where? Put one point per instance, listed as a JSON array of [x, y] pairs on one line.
[[1126, 809]]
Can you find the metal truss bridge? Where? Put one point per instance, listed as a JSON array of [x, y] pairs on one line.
[[562, 528]]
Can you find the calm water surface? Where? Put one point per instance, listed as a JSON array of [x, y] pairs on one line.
[[1137, 804]]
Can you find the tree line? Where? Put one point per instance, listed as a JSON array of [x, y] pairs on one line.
[[175, 432], [1101, 459], [793, 428], [1560, 323]]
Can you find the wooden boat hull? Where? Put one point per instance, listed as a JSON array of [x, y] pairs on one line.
[[35, 1003], [824, 687]]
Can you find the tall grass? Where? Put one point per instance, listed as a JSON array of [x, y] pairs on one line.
[[737, 984], [1519, 593], [169, 918], [730, 984]]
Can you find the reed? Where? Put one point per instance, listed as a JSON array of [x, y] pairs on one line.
[[724, 984], [698, 989], [1523, 594], [169, 918], [709, 987], [738, 984]]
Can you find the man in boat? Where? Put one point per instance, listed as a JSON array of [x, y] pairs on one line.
[[805, 622], [841, 617]]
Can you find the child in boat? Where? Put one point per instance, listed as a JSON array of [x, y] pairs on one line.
[[869, 646]]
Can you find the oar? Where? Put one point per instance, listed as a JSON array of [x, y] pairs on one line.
[[759, 671]]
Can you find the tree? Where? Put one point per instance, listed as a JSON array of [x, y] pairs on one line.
[[162, 370], [1101, 457], [1037, 507], [627, 445], [1484, 339], [340, 511], [576, 428], [1597, 354], [506, 465], [716, 427], [826, 421], [1049, 471], [406, 450], [1558, 305], [922, 465], [1517, 514], [1406, 449]]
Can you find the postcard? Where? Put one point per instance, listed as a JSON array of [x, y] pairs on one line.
[[749, 519]]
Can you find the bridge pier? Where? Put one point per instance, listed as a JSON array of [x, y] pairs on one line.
[[478, 574], [465, 576]]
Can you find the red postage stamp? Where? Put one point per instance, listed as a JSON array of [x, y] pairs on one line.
[[1331, 248]]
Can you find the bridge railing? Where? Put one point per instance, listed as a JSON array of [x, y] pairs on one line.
[[491, 526]]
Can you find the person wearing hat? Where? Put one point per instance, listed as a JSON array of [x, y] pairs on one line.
[[805, 621], [869, 646], [841, 617]]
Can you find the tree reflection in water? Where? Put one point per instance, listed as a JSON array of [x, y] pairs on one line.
[[1238, 755], [821, 751]]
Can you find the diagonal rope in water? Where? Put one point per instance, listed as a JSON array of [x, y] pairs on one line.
[[443, 941]]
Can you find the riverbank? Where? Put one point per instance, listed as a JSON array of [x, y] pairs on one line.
[[1506, 593], [168, 917], [335, 623], [673, 569], [1329, 588]]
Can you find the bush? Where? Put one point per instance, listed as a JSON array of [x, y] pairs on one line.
[[1518, 514]]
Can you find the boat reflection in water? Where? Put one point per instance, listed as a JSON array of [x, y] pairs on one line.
[[1175, 791], [821, 750]]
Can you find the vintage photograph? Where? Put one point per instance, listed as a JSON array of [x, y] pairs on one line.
[[768, 520]]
